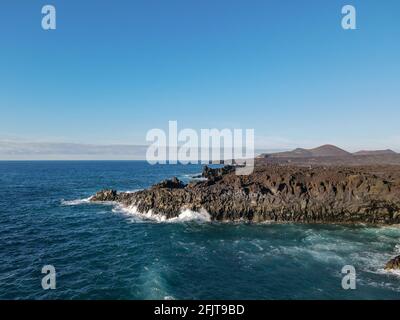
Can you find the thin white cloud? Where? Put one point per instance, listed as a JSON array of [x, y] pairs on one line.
[[21, 149], [11, 150]]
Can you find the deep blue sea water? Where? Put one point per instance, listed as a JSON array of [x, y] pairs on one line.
[[101, 252]]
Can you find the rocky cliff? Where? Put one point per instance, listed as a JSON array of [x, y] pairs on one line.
[[278, 193]]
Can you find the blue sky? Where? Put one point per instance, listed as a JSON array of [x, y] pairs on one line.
[[115, 69]]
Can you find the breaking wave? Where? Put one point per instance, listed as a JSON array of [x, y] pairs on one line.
[[75, 202], [189, 215], [185, 215], [389, 272]]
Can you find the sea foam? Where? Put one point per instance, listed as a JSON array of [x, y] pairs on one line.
[[190, 215], [185, 215], [75, 202]]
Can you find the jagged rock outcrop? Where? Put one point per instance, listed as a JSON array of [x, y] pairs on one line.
[[174, 183], [211, 173], [278, 193], [105, 195], [393, 264]]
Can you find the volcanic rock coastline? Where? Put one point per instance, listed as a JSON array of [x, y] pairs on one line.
[[273, 192]]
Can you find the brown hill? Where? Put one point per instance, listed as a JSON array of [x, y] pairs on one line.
[[326, 150], [374, 152]]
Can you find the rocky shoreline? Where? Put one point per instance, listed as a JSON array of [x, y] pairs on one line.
[[368, 194]]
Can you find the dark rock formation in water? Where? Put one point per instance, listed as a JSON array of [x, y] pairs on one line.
[[393, 264], [105, 195], [334, 194]]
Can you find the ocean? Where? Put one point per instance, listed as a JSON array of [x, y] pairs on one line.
[[102, 251]]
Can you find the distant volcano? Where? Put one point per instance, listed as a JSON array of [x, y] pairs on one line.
[[328, 155], [326, 150]]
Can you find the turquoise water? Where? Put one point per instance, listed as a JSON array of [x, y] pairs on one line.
[[102, 252]]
